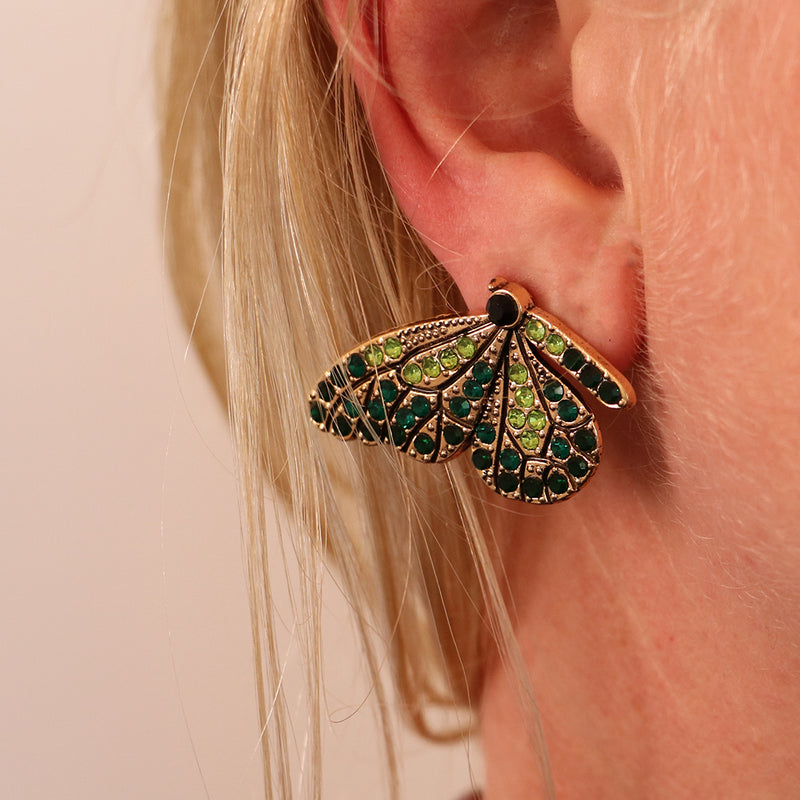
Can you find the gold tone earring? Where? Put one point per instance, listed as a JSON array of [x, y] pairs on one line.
[[501, 384]]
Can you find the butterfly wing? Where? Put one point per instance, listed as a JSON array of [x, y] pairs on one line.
[[537, 441], [421, 388]]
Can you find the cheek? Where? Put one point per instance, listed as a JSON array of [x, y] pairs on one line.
[[711, 179]]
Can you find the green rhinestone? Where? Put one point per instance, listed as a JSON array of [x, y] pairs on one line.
[[356, 366], [577, 467], [373, 355], [557, 483], [559, 448], [376, 409], [537, 420], [586, 441], [453, 435], [555, 344], [535, 330], [448, 358], [507, 482], [342, 426], [482, 459], [473, 390], [466, 347], [516, 418], [509, 459], [405, 418], [482, 372], [339, 376], [518, 373], [528, 440], [532, 487], [326, 391], [524, 397], [351, 409], [553, 391], [568, 411], [398, 435], [460, 406], [317, 411], [393, 348], [573, 359], [609, 393], [424, 444], [484, 432], [430, 366], [420, 406], [367, 434], [412, 373], [388, 391], [591, 376]]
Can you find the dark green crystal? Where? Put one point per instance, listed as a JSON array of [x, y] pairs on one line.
[[559, 448], [557, 482], [366, 431], [568, 411], [553, 391], [356, 366], [388, 391], [459, 406], [339, 376], [317, 411], [591, 376], [609, 392], [482, 459], [342, 426], [484, 432], [424, 444], [585, 440], [350, 408], [398, 435], [376, 409], [405, 418], [482, 372], [473, 390], [509, 459], [577, 466], [326, 391], [507, 482], [453, 435], [532, 487], [420, 406], [573, 359]]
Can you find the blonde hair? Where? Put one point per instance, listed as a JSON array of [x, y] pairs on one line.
[[270, 172]]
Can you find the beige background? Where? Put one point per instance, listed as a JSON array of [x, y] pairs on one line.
[[125, 657]]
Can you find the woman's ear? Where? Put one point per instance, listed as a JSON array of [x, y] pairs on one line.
[[470, 104]]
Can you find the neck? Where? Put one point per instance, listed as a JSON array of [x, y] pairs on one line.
[[657, 669]]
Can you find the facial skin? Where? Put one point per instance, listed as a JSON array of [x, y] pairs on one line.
[[657, 611]]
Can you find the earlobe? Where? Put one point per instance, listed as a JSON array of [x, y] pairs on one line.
[[470, 108]]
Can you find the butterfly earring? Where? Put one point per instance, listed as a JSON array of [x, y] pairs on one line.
[[502, 384]]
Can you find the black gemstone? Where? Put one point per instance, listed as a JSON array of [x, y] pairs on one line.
[[507, 482], [591, 376], [502, 309]]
